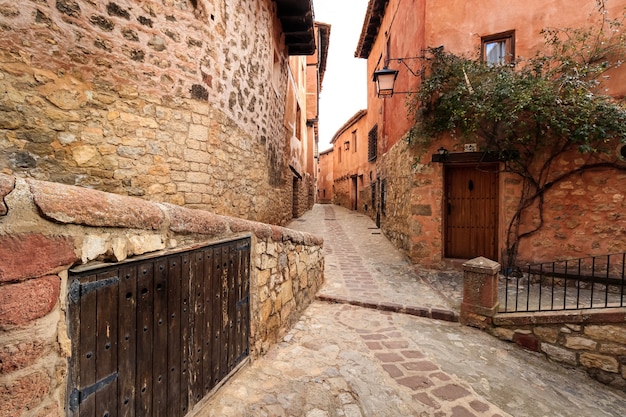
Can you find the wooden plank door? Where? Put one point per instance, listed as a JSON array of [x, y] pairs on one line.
[[152, 337], [470, 211]]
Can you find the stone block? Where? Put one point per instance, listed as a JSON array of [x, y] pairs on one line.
[[559, 354], [527, 341], [609, 333], [450, 392], [33, 255], [547, 334], [17, 356], [503, 333], [422, 210], [7, 184], [263, 277], [580, 343], [603, 362], [613, 349], [26, 301], [22, 394], [286, 292]]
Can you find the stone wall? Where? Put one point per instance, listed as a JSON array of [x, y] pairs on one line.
[[580, 216], [341, 192], [46, 228], [594, 340], [411, 217], [168, 101], [591, 339], [304, 194]]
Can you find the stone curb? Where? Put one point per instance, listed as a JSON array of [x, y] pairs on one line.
[[426, 312]]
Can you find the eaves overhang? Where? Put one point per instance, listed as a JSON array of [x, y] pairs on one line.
[[296, 17], [324, 39], [357, 116], [371, 27]]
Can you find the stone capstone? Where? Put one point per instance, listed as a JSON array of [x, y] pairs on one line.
[[74, 205], [196, 221]]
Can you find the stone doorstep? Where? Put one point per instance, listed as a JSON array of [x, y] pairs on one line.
[[426, 312]]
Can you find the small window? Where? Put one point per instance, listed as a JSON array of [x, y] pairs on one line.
[[372, 144], [298, 122], [498, 49], [354, 141]]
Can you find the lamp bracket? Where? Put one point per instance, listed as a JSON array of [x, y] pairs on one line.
[[402, 61]]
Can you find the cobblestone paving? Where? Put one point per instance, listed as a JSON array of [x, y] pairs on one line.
[[363, 268], [356, 356]]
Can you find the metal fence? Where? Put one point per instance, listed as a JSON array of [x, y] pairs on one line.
[[584, 283]]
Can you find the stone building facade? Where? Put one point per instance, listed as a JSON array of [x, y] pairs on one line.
[[183, 102], [581, 215], [49, 228], [133, 129]]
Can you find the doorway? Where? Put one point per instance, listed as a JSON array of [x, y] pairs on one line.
[[354, 193], [471, 211]]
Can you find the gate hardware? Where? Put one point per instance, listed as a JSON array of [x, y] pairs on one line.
[[78, 289], [245, 246], [242, 301], [78, 396]]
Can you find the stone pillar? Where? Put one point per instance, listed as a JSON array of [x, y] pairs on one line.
[[480, 292]]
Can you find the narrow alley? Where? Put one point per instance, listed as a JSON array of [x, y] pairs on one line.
[[383, 339]]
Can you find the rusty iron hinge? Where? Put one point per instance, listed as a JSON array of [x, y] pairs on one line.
[[78, 396], [243, 246], [78, 289]]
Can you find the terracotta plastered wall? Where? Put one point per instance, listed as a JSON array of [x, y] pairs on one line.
[[45, 228], [325, 177], [350, 162], [164, 101], [581, 215]]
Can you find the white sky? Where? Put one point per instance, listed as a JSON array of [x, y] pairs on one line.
[[344, 89]]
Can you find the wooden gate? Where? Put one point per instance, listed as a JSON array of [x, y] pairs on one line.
[[152, 337], [471, 211]]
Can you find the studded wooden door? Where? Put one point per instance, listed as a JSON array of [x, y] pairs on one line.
[[471, 211], [151, 337]]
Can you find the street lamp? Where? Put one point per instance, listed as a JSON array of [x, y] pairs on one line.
[[385, 80]]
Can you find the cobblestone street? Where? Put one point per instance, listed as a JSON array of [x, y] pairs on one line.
[[383, 340]]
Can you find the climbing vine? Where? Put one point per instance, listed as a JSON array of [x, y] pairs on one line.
[[531, 112]]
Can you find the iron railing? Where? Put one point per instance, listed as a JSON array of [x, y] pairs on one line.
[[584, 283]]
